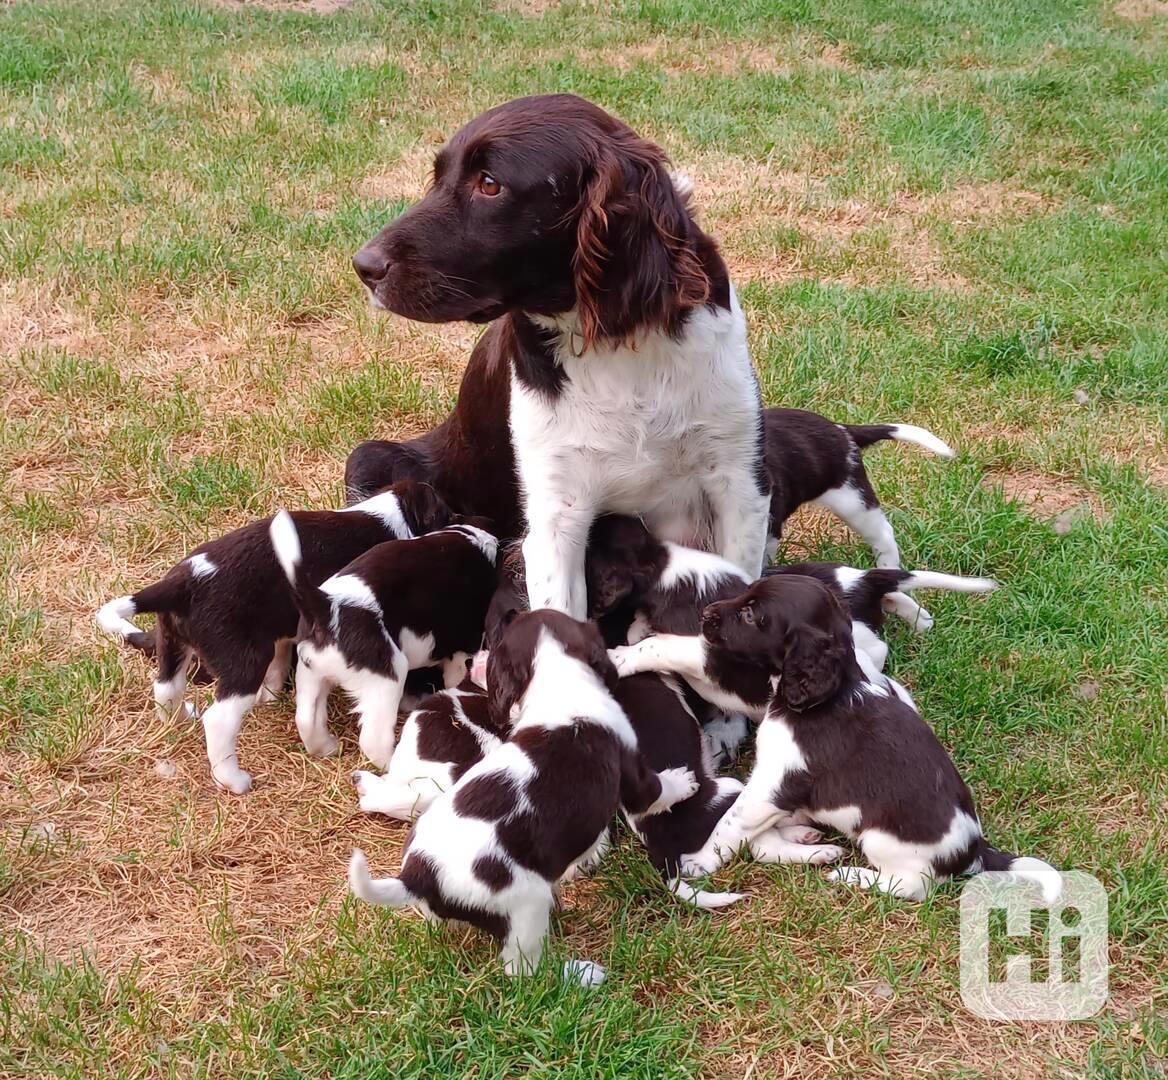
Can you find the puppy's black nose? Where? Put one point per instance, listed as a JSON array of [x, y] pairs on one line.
[[371, 264]]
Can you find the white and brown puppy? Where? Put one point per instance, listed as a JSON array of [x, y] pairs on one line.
[[452, 731], [813, 459], [662, 588], [870, 594], [491, 850], [443, 737], [837, 749], [228, 604], [401, 605]]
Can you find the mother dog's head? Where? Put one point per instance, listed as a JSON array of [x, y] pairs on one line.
[[543, 205]]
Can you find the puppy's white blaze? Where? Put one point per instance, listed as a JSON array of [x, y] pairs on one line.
[[349, 590], [113, 617], [556, 674], [201, 566], [285, 543], [483, 540], [922, 437], [1045, 876], [389, 892], [386, 507], [703, 568], [700, 898], [930, 579]]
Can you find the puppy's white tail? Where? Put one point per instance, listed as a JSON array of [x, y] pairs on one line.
[[114, 618], [311, 602], [922, 437], [1045, 876], [930, 579], [709, 901], [388, 892], [286, 542]]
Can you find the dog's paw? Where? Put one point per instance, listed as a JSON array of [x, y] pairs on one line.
[[700, 864], [677, 785], [234, 780], [622, 659], [800, 834], [584, 972], [861, 876]]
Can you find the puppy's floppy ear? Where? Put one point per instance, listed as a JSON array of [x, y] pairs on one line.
[[635, 265], [812, 664], [509, 670]]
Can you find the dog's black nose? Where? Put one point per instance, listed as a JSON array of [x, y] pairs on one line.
[[371, 264]]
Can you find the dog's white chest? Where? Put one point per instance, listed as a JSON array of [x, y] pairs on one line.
[[638, 431]]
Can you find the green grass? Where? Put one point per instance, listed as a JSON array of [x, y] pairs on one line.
[[977, 244]]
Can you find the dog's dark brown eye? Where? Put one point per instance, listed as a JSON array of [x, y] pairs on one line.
[[488, 185]]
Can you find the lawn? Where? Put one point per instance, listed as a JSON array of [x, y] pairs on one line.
[[948, 213]]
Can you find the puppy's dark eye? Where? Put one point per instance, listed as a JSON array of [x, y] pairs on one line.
[[488, 185], [747, 615]]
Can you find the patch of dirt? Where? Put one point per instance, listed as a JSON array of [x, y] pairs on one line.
[[1138, 10], [1045, 495]]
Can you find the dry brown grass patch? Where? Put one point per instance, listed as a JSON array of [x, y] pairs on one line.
[[1138, 10], [316, 7], [1045, 495], [737, 195]]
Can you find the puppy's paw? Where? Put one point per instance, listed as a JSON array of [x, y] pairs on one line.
[[622, 658], [800, 834], [677, 785], [700, 864], [584, 972], [860, 876], [234, 780]]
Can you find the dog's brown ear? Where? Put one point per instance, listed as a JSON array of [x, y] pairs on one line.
[[636, 264], [509, 670], [812, 666]]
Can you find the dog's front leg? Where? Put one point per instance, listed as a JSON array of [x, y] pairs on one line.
[[553, 553], [681, 654], [741, 519]]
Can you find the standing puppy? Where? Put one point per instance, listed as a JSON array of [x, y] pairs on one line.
[[617, 358], [229, 605], [813, 459], [490, 851], [404, 604], [838, 749]]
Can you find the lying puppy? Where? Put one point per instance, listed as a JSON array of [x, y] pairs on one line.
[[811, 459], [491, 849], [229, 605], [837, 749], [662, 588], [401, 605], [869, 594], [443, 737]]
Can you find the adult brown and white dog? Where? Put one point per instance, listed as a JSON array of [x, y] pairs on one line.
[[615, 375]]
